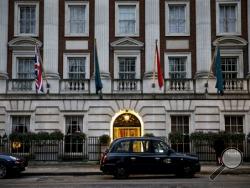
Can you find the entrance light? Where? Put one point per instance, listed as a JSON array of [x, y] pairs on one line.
[[126, 117]]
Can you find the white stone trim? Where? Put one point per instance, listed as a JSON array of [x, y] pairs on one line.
[[177, 44], [187, 17], [77, 45], [65, 63], [127, 53], [15, 56], [178, 54], [238, 27], [67, 18], [117, 4], [17, 15]]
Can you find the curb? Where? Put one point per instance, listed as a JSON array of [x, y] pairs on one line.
[[226, 172], [61, 173]]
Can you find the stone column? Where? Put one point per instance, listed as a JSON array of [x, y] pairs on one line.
[[50, 45], [203, 43], [4, 7], [152, 33], [203, 37], [102, 41], [248, 28]]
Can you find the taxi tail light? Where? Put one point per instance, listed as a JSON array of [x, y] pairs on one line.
[[104, 158]]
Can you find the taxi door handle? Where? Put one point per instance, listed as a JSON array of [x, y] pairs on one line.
[[132, 158]]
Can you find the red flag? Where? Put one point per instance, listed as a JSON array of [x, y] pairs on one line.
[[38, 72], [159, 71]]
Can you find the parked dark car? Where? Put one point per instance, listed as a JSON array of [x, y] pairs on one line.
[[10, 164], [146, 155]]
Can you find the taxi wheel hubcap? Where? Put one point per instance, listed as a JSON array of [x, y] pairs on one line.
[[121, 173], [2, 171]]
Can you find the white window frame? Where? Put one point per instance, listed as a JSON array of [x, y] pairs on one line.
[[119, 3], [233, 113], [180, 113], [79, 116], [72, 55], [238, 54], [127, 53], [67, 19], [19, 54], [23, 116], [188, 63], [238, 17], [17, 18], [187, 17]]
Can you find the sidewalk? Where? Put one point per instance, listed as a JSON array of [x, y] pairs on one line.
[[92, 168]]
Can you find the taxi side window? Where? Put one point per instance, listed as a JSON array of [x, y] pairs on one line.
[[141, 146], [122, 147], [159, 147]]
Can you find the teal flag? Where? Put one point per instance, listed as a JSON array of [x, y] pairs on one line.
[[218, 73], [98, 81]]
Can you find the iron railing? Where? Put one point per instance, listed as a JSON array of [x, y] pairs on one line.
[[54, 150], [90, 149]]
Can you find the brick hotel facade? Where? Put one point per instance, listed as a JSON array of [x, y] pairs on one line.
[[125, 32]]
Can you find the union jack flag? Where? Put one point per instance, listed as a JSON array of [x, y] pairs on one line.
[[38, 71]]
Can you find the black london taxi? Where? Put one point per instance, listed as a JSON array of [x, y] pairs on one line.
[[146, 155]]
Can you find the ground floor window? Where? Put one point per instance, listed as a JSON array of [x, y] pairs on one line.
[[20, 125], [234, 124], [180, 124], [73, 142]]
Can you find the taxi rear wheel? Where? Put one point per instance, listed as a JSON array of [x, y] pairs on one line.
[[121, 173], [185, 171]]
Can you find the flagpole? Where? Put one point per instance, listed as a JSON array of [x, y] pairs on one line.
[[97, 74], [211, 67], [43, 72], [154, 67]]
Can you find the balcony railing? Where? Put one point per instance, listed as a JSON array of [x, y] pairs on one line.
[[21, 85], [74, 86], [232, 86], [122, 85], [179, 85], [235, 85]]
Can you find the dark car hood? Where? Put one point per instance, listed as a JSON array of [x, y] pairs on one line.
[[7, 155]]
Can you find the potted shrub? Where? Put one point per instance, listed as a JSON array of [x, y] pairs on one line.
[[104, 142], [176, 137], [104, 139], [57, 135]]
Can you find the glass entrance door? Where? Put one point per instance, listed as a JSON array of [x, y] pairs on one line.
[[126, 125]]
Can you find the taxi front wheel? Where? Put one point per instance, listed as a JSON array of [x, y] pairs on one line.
[[3, 171]]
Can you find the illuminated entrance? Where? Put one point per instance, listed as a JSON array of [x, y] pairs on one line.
[[126, 124]]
